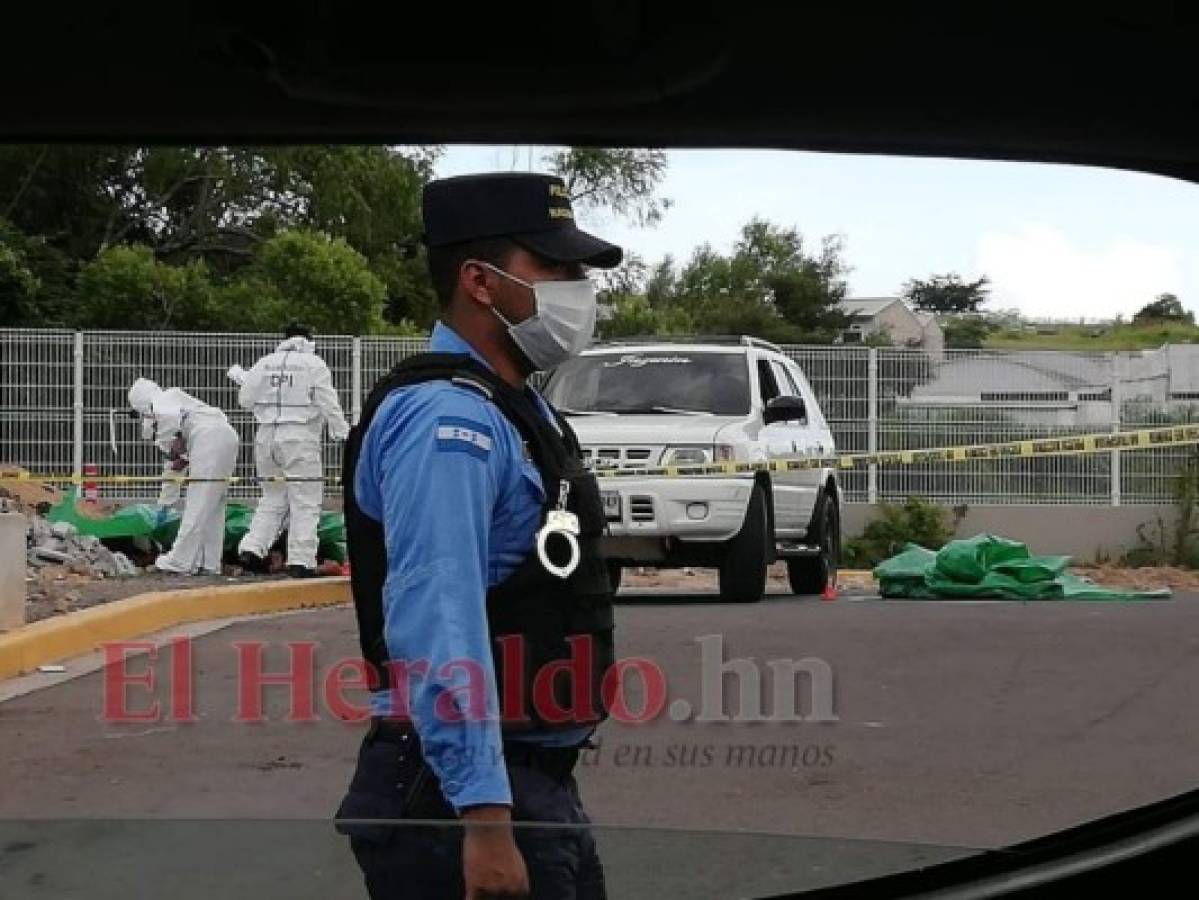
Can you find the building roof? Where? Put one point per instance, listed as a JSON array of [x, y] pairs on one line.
[[967, 376], [866, 306]]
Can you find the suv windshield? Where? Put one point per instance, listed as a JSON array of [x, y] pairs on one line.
[[653, 382]]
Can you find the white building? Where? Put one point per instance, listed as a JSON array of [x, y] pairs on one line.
[[891, 317], [1064, 390]]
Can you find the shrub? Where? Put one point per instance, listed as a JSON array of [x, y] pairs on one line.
[[915, 521]]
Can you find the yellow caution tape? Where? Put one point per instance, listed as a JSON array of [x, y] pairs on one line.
[[1069, 445]]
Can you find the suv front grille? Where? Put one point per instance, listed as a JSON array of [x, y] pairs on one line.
[[641, 509], [620, 457]]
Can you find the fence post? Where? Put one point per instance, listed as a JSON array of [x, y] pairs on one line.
[[355, 380], [872, 422], [77, 408], [1117, 403]]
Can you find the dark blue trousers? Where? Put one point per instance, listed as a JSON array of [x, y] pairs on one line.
[[424, 862]]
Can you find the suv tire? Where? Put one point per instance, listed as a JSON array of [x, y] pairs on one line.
[[743, 569], [812, 574]]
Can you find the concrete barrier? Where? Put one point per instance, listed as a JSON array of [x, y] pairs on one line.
[[62, 637], [13, 527], [1087, 533]]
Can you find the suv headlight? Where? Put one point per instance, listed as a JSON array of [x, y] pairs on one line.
[[684, 456]]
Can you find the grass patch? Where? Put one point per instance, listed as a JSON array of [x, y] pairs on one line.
[[1094, 337]]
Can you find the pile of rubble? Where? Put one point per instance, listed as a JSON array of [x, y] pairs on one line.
[[27, 496], [61, 544]]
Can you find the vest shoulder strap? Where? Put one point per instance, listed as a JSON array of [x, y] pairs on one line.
[[547, 449]]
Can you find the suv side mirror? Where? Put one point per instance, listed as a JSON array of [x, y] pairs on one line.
[[785, 409]]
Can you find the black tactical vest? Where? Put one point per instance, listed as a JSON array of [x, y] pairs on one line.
[[542, 626]]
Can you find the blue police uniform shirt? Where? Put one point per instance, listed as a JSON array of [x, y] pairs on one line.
[[445, 472]]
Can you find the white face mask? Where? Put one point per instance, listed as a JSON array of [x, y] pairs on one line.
[[564, 322]]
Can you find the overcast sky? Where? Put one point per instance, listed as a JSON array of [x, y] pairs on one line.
[[1056, 241]]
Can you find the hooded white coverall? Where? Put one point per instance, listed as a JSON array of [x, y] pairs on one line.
[[292, 397], [211, 446]]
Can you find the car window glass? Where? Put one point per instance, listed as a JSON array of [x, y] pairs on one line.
[[651, 381], [804, 389], [768, 388], [783, 378]]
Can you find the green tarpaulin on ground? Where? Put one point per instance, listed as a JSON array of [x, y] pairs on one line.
[[161, 525], [989, 567]]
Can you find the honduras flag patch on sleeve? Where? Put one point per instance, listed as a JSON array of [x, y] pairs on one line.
[[455, 435]]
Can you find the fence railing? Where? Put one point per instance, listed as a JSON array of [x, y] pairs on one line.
[[56, 388]]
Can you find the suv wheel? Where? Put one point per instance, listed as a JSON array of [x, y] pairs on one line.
[[812, 574], [743, 569]]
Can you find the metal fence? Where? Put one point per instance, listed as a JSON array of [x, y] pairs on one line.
[[56, 388]]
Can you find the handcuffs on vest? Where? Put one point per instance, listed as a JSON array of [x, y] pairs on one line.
[[565, 524]]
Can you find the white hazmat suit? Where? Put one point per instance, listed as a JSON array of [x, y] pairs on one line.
[[210, 444], [292, 397]]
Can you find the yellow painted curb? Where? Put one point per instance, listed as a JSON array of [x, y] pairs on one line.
[[77, 633]]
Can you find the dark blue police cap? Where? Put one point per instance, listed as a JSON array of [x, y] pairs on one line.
[[531, 209]]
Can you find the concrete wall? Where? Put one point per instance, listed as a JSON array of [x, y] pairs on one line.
[[933, 340], [12, 570], [1083, 532], [900, 323]]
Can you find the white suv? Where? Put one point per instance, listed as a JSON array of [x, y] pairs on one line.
[[636, 404]]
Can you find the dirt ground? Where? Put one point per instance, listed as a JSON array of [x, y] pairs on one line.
[[54, 591], [1143, 579], [1109, 576]]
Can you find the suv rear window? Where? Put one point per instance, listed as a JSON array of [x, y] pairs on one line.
[[649, 382]]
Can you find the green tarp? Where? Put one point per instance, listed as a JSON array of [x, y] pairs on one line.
[[990, 567], [159, 524]]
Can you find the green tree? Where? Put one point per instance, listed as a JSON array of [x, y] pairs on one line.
[[37, 284], [220, 205], [629, 315], [18, 287], [947, 293], [622, 180], [769, 286], [315, 279], [127, 288], [967, 332], [660, 282], [808, 291], [1164, 308], [626, 280], [634, 315], [62, 194]]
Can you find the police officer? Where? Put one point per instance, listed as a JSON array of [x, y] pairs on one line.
[[474, 544]]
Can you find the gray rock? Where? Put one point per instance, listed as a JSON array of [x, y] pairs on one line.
[[52, 555], [105, 564], [50, 542], [124, 565], [63, 529]]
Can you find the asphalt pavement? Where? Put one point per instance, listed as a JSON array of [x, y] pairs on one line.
[[922, 730]]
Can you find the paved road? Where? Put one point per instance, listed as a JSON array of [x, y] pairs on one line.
[[957, 725]]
